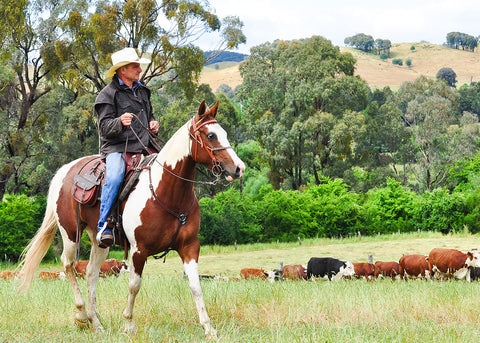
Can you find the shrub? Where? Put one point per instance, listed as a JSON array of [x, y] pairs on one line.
[[20, 218], [383, 56], [397, 61], [389, 209], [408, 62]]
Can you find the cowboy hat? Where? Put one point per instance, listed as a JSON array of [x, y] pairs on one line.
[[123, 57]]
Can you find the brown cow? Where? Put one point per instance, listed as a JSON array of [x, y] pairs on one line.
[[57, 274], [8, 274], [109, 267], [414, 266], [391, 269], [452, 263], [366, 270], [295, 272], [252, 273]]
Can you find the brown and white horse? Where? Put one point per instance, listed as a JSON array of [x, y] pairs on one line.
[[149, 218]]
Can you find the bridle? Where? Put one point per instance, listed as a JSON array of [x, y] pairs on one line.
[[197, 137]]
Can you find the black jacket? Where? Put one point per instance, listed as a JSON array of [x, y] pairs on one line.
[[113, 101]]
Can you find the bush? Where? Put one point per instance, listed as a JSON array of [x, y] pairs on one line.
[[408, 62], [397, 61], [20, 218], [390, 209], [383, 56]]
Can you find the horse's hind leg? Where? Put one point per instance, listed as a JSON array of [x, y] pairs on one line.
[[68, 256], [97, 256]]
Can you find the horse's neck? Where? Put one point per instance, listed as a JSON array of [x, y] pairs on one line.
[[176, 157]]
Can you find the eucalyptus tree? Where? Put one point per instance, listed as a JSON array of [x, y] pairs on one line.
[[68, 43], [441, 135], [301, 99]]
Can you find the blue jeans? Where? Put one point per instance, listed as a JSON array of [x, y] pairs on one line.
[[115, 170]]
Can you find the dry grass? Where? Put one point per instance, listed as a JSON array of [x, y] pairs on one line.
[[427, 59]]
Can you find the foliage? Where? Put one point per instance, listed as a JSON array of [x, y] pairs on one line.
[[20, 218], [389, 209], [459, 39], [408, 62], [448, 75], [361, 41], [299, 98], [397, 61]]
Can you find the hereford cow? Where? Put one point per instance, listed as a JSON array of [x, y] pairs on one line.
[[329, 267], [57, 274], [109, 267], [8, 274], [390, 269], [295, 272], [255, 273], [366, 270], [414, 266], [452, 263]]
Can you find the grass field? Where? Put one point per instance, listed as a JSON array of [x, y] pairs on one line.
[[256, 311]]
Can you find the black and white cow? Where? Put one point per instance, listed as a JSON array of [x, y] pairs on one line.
[[329, 267]]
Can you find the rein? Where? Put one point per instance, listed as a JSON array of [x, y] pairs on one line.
[[195, 135]]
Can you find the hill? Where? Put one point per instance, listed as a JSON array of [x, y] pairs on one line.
[[426, 59]]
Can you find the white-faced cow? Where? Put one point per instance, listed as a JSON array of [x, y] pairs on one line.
[[255, 273], [364, 270], [452, 263], [415, 266], [388, 269], [329, 267]]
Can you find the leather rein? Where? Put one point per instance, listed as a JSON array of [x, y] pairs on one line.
[[182, 217]]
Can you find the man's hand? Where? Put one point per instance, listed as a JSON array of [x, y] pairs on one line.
[[126, 119], [154, 126]]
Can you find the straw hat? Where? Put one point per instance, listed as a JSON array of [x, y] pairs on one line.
[[123, 57]]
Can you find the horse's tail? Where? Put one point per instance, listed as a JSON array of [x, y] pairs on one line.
[[33, 254]]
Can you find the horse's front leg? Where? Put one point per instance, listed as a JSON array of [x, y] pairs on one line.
[[136, 265], [191, 269]]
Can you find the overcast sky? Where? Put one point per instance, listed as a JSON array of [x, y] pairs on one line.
[[405, 21]]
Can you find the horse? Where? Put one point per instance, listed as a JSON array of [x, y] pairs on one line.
[[160, 214]]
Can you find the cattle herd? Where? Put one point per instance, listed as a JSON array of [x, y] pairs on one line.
[[439, 264], [108, 268]]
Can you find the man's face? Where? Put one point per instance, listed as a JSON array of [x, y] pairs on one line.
[[130, 73]]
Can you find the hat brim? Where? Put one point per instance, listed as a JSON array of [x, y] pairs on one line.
[[110, 72]]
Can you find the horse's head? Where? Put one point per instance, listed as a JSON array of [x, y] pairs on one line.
[[210, 145]]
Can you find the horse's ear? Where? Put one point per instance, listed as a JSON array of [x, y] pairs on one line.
[[214, 109], [202, 108]]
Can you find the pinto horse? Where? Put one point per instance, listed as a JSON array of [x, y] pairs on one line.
[[160, 214]]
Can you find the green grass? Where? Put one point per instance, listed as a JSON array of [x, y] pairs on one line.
[[256, 311]]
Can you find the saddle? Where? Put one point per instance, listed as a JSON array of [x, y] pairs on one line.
[[87, 184]]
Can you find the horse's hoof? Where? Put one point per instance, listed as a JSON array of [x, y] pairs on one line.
[[212, 335], [82, 323]]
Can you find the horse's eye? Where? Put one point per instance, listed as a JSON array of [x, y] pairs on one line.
[[211, 136]]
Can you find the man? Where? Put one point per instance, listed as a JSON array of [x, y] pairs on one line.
[[124, 114]]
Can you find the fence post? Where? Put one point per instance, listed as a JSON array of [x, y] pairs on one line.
[[235, 244], [370, 259], [299, 241], [359, 235]]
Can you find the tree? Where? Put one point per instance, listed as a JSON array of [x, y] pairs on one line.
[[295, 93], [459, 39], [448, 75], [441, 137], [50, 44], [361, 41], [90, 37]]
